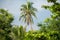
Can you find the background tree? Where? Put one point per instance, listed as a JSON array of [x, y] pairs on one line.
[[5, 24], [18, 33], [53, 23]]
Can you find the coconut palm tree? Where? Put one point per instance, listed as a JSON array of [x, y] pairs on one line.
[[27, 11]]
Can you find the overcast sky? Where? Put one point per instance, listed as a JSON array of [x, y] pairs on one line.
[[13, 6]]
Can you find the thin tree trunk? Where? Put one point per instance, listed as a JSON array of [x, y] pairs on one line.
[[31, 26], [25, 27]]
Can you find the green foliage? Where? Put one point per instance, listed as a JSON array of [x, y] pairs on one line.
[[5, 24], [52, 24], [52, 1], [36, 36], [18, 33]]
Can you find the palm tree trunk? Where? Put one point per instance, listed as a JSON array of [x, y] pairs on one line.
[[31, 26], [25, 27]]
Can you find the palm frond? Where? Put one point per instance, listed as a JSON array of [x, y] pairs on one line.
[[21, 17], [28, 11]]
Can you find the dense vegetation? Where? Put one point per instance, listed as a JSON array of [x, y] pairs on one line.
[[49, 30]]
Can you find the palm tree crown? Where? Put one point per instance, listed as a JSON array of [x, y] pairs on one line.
[[27, 11]]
